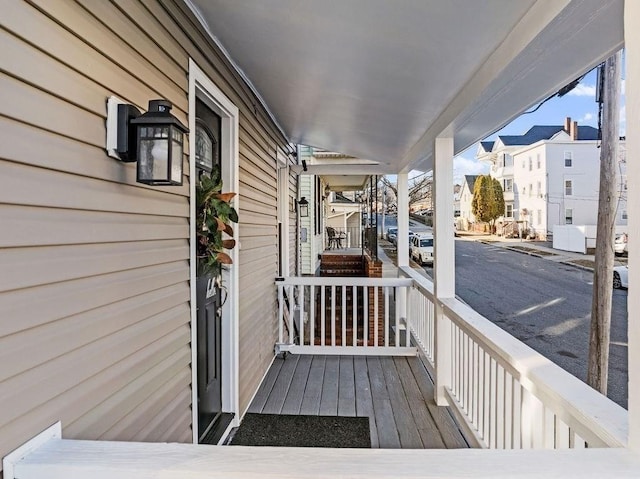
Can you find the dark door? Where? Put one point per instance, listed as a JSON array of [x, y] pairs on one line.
[[208, 295]]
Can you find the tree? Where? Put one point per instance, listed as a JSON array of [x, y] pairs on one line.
[[420, 188], [487, 204]]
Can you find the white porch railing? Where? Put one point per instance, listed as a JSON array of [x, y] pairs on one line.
[[508, 395], [322, 315], [505, 394]]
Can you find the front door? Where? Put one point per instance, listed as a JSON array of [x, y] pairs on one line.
[[208, 295]]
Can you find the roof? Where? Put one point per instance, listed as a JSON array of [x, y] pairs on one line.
[[470, 180], [340, 198], [487, 145], [545, 132]]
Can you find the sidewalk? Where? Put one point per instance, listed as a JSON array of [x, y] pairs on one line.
[[540, 249]]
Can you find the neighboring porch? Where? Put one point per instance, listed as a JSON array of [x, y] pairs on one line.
[[395, 393]]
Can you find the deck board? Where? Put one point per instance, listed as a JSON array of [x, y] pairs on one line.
[[313, 391], [395, 393], [293, 401], [346, 388], [405, 422], [281, 386], [364, 400], [385, 422]]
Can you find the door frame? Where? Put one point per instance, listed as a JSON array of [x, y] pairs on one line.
[[202, 87]]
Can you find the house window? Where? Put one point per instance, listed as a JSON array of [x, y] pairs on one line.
[[539, 189], [568, 216], [530, 164], [568, 159], [508, 160], [508, 185], [624, 214], [568, 187], [539, 214], [530, 189], [508, 210], [538, 160], [524, 190], [524, 165]]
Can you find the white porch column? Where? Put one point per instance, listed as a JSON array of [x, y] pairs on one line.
[[402, 240], [444, 261], [632, 45]]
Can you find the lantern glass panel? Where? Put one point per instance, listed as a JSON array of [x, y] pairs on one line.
[[176, 162], [153, 157]]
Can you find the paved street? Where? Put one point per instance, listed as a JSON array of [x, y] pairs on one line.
[[544, 304]]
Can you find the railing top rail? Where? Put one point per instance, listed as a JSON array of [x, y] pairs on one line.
[[342, 281], [595, 417], [420, 282]]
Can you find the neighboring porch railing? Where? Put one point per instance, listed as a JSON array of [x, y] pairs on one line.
[[342, 315], [505, 394]]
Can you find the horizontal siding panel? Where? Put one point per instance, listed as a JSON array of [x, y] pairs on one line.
[[23, 226], [108, 21], [49, 75], [31, 25], [21, 393], [36, 107], [181, 422], [18, 183], [54, 339], [257, 207], [130, 424], [68, 155], [63, 263], [106, 43], [146, 23], [27, 308], [256, 254], [253, 218], [81, 399], [256, 178], [153, 383], [256, 230], [155, 428], [251, 242]]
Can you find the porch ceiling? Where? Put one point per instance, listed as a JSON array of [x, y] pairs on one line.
[[379, 79]]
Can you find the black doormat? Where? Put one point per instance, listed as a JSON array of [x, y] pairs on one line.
[[302, 431]]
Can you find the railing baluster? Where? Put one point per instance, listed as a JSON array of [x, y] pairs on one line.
[[376, 312], [386, 316], [301, 309], [312, 314], [280, 313], [487, 400], [333, 315], [549, 440], [354, 334], [397, 330], [343, 342], [323, 309], [508, 411], [292, 315], [365, 317], [562, 434], [407, 341], [500, 422], [517, 414]]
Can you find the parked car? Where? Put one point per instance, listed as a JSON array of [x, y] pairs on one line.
[[621, 277], [421, 249], [620, 245], [392, 233]]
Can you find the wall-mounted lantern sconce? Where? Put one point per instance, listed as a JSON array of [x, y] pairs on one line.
[[327, 190], [154, 139], [304, 207]]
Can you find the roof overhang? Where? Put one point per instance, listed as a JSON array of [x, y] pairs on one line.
[[381, 80]]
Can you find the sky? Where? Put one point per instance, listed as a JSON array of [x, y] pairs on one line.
[[579, 104]]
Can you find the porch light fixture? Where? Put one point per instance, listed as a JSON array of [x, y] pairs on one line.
[[154, 139], [303, 204]]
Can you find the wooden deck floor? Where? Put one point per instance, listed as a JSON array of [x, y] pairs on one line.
[[396, 393]]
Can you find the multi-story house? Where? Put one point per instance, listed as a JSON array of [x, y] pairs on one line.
[[550, 176]]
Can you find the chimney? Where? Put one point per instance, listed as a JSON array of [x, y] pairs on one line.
[[574, 131], [567, 124]]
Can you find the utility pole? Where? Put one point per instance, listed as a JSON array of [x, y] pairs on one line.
[[609, 95]]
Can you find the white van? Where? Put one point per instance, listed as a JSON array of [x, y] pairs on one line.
[[421, 248]]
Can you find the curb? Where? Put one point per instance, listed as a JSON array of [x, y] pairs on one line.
[[517, 250]]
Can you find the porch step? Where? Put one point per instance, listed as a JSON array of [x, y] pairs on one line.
[[341, 265]]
